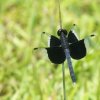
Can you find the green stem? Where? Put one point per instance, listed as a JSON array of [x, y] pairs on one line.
[[64, 88]]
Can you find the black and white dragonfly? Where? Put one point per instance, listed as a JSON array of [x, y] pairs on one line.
[[67, 46]]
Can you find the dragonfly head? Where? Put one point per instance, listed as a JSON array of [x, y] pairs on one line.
[[61, 31]]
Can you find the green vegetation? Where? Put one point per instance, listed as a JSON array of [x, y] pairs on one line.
[[28, 75]]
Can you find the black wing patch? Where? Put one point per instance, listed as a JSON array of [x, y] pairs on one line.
[[77, 50], [71, 37], [54, 41], [56, 55]]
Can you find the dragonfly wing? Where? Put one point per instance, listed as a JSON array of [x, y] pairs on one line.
[[56, 55], [54, 41], [78, 50], [72, 37]]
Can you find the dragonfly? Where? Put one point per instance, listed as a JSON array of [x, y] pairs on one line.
[[65, 47]]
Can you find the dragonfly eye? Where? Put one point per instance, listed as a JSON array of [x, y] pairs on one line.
[[61, 31]]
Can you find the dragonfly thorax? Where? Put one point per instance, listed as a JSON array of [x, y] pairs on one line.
[[64, 31]]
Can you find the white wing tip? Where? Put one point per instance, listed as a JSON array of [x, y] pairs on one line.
[[74, 84]]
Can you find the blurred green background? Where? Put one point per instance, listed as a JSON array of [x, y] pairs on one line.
[[28, 75]]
